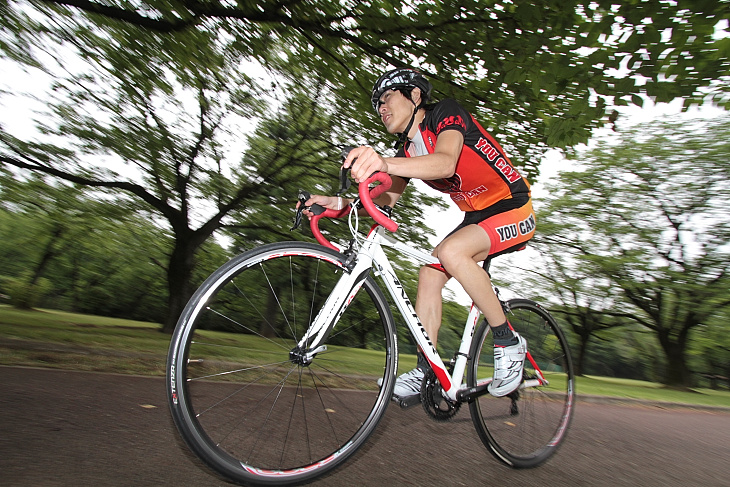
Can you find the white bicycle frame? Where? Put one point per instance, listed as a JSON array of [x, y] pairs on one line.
[[371, 256]]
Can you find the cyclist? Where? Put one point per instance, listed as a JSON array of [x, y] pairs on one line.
[[443, 145]]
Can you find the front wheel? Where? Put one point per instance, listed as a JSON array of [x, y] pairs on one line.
[[241, 394], [524, 428]]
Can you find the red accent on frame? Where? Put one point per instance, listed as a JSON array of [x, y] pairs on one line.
[[441, 375], [438, 267], [537, 369]]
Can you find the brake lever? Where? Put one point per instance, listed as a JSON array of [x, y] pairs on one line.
[[345, 182], [315, 208], [301, 198]]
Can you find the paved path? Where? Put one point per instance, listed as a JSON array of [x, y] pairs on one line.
[[61, 428]]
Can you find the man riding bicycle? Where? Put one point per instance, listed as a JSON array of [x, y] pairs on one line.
[[443, 145]]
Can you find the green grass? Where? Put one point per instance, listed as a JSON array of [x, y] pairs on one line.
[[650, 391], [56, 339], [78, 329]]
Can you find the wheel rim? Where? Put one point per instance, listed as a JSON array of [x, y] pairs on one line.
[[254, 404]]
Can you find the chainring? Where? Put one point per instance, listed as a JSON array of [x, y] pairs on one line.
[[437, 407]]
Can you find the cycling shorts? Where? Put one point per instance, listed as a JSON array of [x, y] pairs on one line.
[[508, 228]]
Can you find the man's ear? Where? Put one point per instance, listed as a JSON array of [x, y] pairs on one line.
[[416, 95]]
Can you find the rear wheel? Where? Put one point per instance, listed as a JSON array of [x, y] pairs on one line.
[[242, 396], [525, 428]]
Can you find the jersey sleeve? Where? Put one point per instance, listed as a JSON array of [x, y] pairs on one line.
[[449, 115]]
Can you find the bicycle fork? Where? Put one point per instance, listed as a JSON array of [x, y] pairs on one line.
[[333, 308]]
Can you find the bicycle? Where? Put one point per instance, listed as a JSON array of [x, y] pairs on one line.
[[272, 372]]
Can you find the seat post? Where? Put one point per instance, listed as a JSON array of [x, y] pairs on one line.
[[489, 258]]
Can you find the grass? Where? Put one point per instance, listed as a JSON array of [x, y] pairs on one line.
[[650, 391], [57, 339]]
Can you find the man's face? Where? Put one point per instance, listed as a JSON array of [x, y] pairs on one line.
[[395, 111]]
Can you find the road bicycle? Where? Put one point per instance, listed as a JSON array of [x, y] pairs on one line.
[[274, 368]]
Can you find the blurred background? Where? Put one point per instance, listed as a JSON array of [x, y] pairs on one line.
[[143, 145]]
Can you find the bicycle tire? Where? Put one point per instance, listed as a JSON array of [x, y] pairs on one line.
[[237, 398], [524, 429]]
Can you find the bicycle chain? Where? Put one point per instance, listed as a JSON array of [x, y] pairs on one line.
[[437, 407]]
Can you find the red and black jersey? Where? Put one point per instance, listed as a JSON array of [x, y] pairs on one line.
[[484, 175]]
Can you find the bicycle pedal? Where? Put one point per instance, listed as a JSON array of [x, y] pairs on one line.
[[407, 402]]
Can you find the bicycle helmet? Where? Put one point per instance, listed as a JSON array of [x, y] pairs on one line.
[[400, 78]]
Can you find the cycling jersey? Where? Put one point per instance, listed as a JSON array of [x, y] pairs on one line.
[[484, 176]]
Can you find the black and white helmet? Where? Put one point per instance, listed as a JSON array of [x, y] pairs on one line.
[[401, 78]]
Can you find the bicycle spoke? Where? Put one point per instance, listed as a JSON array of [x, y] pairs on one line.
[[227, 372]]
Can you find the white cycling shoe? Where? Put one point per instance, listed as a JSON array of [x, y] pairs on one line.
[[408, 384], [508, 365]]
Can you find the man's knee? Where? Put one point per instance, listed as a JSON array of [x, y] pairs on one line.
[[431, 278], [452, 259], [456, 252]]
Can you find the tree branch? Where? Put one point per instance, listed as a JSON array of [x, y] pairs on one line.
[[135, 189]]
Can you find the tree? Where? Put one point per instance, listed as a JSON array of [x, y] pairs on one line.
[[647, 212], [62, 249], [541, 73], [581, 299], [129, 109], [50, 221]]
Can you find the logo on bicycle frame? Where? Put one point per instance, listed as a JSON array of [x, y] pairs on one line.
[[413, 312]]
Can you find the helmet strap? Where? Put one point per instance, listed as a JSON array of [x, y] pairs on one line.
[[403, 136]]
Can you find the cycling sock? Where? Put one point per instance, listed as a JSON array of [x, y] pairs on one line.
[[503, 336]]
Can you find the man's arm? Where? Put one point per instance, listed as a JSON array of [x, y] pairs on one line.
[[364, 161]]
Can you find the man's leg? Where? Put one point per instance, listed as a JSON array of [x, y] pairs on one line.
[[429, 301], [459, 254], [428, 307]]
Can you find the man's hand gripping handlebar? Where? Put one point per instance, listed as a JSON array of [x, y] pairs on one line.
[[366, 198]]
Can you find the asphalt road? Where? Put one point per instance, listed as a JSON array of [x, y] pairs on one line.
[[62, 428]]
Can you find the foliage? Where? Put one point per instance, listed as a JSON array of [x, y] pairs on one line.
[[709, 352], [122, 126], [95, 256], [540, 73], [299, 148], [646, 213], [24, 292], [627, 352], [148, 98]]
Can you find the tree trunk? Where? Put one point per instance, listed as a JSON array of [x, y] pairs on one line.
[[582, 349], [179, 273], [677, 374], [48, 254], [31, 294]]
